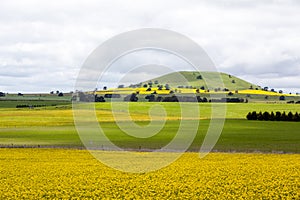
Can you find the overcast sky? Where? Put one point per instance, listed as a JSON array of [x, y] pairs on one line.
[[44, 43]]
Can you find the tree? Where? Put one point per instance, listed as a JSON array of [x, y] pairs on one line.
[[266, 116], [156, 82], [272, 116], [151, 98], [283, 117], [280, 91], [145, 85], [199, 77], [230, 94], [254, 115], [278, 116], [260, 116], [249, 116], [52, 92], [104, 88], [296, 117], [99, 98], [167, 86], [60, 94], [121, 86], [266, 88], [282, 98], [233, 81], [290, 116], [132, 97]]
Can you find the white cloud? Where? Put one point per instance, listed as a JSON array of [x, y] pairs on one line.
[[50, 40]]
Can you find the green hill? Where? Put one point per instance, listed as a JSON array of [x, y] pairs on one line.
[[210, 80]]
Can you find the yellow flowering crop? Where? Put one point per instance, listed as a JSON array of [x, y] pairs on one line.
[[75, 174]]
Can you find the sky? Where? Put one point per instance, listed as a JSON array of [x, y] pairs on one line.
[[43, 44]]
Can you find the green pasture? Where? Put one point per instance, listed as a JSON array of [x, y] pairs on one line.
[[54, 127]]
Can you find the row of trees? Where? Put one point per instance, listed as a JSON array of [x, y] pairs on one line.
[[278, 116], [30, 106]]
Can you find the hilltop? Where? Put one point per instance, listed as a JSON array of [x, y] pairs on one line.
[[199, 79]]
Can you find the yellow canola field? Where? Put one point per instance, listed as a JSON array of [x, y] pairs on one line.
[[186, 91], [75, 174]]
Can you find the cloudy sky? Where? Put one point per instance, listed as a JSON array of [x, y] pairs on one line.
[[43, 44]]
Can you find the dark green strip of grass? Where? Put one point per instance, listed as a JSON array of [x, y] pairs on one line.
[[237, 136]]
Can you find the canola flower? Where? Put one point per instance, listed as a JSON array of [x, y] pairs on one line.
[[144, 91], [75, 174]]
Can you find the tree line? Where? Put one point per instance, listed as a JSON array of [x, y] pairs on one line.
[[278, 116]]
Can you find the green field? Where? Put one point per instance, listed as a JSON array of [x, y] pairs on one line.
[[211, 79], [54, 127], [12, 100]]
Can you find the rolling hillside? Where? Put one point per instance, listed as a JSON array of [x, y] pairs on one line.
[[197, 80]]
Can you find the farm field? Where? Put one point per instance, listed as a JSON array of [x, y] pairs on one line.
[[54, 127], [251, 160], [66, 174]]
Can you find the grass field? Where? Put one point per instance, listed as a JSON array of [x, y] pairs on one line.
[[54, 126], [75, 174]]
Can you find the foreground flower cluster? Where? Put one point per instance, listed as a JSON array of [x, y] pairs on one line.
[[75, 174]]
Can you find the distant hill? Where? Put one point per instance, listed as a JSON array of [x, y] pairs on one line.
[[199, 79]]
